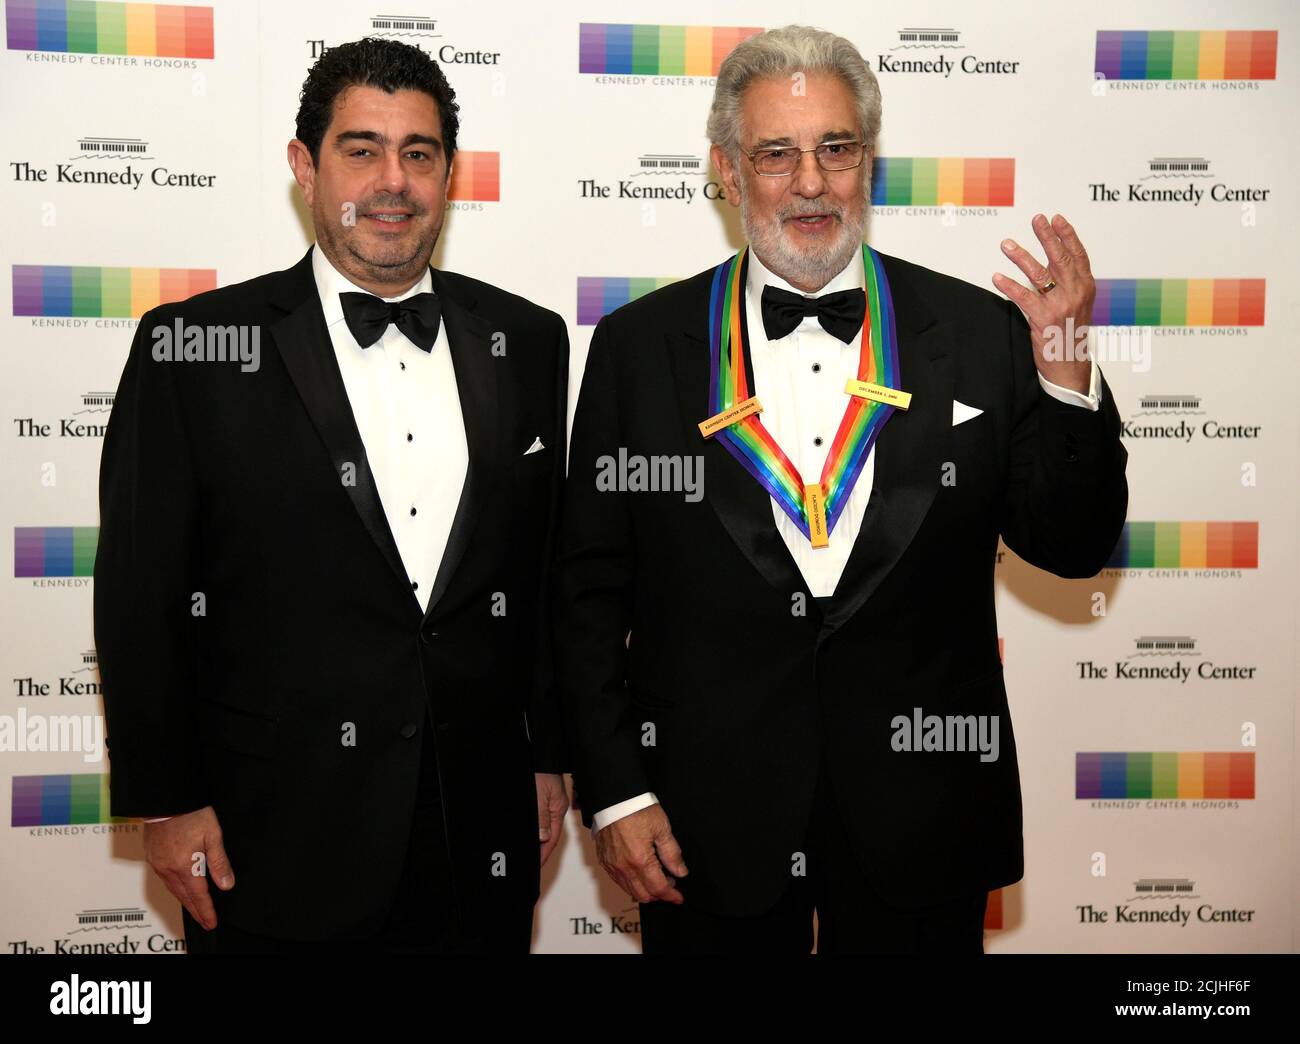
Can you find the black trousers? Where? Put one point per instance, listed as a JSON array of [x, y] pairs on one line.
[[424, 917], [851, 917]]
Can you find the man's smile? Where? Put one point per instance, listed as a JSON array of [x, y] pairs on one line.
[[812, 223], [389, 218]]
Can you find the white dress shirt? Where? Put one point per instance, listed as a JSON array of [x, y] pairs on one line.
[[407, 410], [800, 380]]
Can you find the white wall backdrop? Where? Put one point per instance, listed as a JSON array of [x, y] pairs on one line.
[[1166, 179]]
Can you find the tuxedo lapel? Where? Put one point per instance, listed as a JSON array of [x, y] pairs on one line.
[[308, 353], [742, 505], [909, 452], [478, 386]]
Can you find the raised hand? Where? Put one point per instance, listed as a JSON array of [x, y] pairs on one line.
[[1059, 307]]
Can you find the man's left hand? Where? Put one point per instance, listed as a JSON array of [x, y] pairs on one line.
[[1058, 317], [552, 804]]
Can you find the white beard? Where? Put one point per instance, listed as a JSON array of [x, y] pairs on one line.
[[816, 267]]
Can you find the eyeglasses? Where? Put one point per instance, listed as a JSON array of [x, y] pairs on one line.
[[782, 161]]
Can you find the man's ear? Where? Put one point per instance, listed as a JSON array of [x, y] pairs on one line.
[[304, 171], [728, 173]]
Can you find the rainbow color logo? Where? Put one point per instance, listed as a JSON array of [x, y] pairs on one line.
[[1205, 54], [476, 176], [656, 50], [95, 27], [1187, 545], [1181, 774], [55, 550], [600, 295], [1179, 302], [929, 182], [104, 292], [61, 800]]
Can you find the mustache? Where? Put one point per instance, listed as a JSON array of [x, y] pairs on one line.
[[808, 209], [393, 203]]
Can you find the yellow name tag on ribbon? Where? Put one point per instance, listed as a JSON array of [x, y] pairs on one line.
[[729, 417], [879, 393], [815, 501]]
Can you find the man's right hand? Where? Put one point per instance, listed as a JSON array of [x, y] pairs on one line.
[[170, 848], [637, 850]]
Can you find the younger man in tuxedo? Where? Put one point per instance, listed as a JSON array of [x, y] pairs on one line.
[[319, 583]]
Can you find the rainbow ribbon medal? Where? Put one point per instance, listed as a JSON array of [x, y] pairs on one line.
[[734, 421]]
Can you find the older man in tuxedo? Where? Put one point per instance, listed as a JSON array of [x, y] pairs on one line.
[[741, 672], [319, 583]]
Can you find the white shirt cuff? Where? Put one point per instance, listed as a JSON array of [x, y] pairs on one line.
[[158, 819], [1091, 401], [606, 816]]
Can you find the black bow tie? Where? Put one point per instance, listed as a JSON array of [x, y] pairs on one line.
[[369, 316], [840, 313]]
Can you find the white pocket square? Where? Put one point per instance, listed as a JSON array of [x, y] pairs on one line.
[[962, 412], [535, 447]]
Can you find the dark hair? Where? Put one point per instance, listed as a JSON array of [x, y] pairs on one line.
[[387, 64]]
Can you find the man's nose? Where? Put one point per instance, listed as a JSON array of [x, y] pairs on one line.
[[392, 176], [808, 179]]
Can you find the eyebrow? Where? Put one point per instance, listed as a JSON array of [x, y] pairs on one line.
[[785, 142], [382, 139]]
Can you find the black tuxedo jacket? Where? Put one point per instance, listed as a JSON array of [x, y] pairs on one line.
[[725, 698], [252, 611]]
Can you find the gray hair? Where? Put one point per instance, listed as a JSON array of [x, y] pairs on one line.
[[781, 53]]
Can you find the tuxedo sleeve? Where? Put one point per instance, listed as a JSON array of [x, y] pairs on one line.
[[545, 717], [1066, 494], [593, 604], [145, 585]]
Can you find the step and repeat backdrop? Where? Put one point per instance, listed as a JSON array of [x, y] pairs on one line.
[[1154, 705]]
